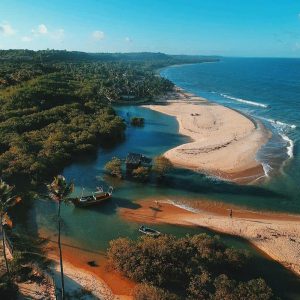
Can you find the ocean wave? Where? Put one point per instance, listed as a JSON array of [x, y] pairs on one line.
[[277, 123], [267, 168], [290, 145], [245, 101]]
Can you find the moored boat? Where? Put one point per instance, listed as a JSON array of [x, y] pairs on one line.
[[97, 197], [149, 231]]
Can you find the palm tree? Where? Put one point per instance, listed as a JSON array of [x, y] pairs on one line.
[[59, 190], [6, 201]]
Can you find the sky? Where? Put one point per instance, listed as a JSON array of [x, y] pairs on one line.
[[265, 28]]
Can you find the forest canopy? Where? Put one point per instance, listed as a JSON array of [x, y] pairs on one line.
[[192, 267], [57, 104]]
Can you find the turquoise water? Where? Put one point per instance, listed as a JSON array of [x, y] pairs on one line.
[[267, 89], [94, 227]]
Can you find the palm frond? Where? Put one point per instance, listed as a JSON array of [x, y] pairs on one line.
[[6, 198], [60, 189]]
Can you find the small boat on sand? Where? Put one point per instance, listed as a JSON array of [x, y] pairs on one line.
[[149, 231], [97, 197]]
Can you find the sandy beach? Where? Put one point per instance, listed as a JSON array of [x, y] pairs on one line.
[[277, 235], [223, 143], [88, 270]]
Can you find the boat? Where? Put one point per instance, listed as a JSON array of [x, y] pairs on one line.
[[97, 197], [149, 231]]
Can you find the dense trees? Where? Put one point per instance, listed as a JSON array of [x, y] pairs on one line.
[[146, 291], [55, 104], [193, 267]]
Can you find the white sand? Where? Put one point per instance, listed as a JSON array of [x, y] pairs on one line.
[[224, 142], [76, 279]]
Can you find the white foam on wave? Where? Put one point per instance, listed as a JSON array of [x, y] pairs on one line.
[[183, 206], [245, 101], [290, 145], [285, 124], [279, 124], [267, 168]]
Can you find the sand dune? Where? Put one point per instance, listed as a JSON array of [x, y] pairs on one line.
[[224, 141]]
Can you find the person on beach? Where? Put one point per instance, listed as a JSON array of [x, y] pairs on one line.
[[230, 214]]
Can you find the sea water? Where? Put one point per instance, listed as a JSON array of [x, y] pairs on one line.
[[267, 89]]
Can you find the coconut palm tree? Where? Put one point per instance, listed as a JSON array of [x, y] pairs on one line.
[[59, 190], [6, 201]]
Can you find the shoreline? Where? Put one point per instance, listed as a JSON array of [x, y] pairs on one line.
[[86, 269], [275, 234], [224, 141]]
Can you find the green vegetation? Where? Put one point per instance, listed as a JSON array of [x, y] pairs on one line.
[[146, 291], [7, 200], [27, 255], [59, 191], [55, 105], [162, 166], [141, 173], [114, 167], [47, 122], [138, 122], [192, 267]]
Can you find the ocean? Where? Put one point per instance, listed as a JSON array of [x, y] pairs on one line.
[[267, 89]]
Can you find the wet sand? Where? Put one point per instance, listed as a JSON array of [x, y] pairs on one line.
[[95, 276], [224, 142], [277, 235]]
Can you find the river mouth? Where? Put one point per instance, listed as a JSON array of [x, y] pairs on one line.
[[92, 228]]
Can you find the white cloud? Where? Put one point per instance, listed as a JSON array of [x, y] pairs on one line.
[[40, 30], [6, 29], [26, 39], [98, 35], [128, 39]]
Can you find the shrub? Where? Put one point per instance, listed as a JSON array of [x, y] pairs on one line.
[[114, 167], [193, 267], [146, 291], [162, 166], [141, 173]]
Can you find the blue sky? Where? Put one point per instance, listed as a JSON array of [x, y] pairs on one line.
[[223, 27]]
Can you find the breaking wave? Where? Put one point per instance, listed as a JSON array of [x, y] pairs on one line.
[[245, 101], [290, 145]]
